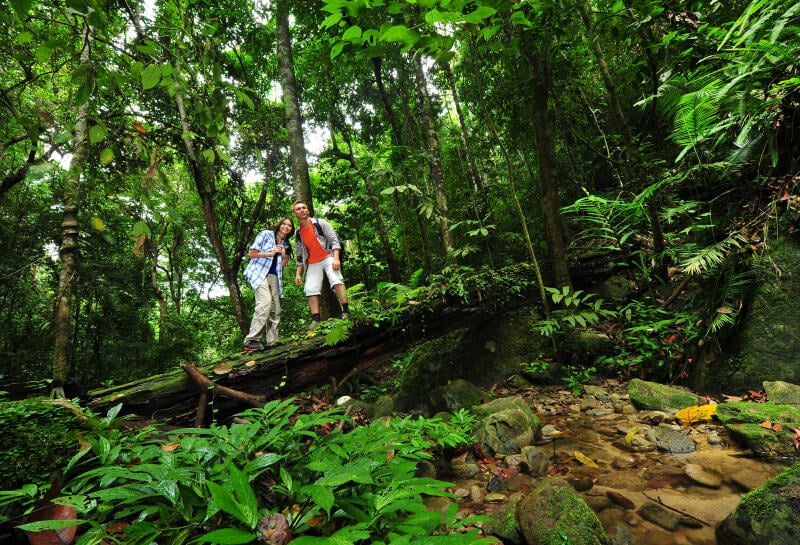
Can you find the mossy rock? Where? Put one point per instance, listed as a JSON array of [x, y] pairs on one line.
[[659, 397], [554, 514], [456, 394], [767, 515], [782, 392], [744, 421]]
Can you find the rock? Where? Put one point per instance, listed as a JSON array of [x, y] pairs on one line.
[[464, 470], [383, 406], [744, 421], [455, 395], [537, 461], [506, 425], [704, 476], [505, 432], [658, 515], [766, 345], [767, 515], [659, 397], [670, 440], [597, 392], [624, 462], [620, 499], [503, 524], [554, 513], [495, 497], [782, 393]]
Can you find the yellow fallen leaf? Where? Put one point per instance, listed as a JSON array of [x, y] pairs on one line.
[[697, 413], [629, 436], [585, 460]]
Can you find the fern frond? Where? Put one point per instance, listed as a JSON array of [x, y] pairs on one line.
[[711, 256]]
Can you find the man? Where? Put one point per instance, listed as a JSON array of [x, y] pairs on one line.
[[318, 248]]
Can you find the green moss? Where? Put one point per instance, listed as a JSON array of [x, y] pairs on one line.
[[40, 437]]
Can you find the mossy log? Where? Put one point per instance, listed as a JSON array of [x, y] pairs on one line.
[[281, 371]]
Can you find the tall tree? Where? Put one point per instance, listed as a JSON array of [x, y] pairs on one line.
[[291, 102], [68, 253]]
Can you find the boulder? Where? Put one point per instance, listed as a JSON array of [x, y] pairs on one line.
[[646, 395], [768, 515], [554, 513], [766, 428]]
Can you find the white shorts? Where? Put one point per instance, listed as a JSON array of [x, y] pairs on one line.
[[313, 285]]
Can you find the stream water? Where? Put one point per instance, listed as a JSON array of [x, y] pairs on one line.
[[641, 496]]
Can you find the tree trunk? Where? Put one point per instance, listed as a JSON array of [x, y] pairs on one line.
[[391, 260], [423, 249], [68, 252], [291, 104], [203, 177], [548, 168], [434, 160]]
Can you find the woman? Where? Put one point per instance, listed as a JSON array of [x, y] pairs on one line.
[[268, 253]]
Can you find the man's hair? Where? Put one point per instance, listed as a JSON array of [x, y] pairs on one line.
[[297, 202]]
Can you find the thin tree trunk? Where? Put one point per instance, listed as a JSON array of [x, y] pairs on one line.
[[391, 260], [399, 140], [68, 252], [204, 182], [548, 168], [435, 160]]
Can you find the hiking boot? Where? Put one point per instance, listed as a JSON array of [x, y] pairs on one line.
[[253, 345], [314, 325], [345, 315]]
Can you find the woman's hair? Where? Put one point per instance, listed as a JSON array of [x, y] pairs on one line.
[[288, 239]]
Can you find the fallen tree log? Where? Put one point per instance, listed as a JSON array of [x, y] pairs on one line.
[[282, 371]]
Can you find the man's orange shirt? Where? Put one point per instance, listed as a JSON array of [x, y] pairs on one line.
[[316, 252]]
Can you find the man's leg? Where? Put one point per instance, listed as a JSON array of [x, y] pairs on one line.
[[341, 293]]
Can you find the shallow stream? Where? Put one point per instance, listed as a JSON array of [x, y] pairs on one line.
[[645, 497]]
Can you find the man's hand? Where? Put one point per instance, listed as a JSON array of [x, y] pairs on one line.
[[336, 264]]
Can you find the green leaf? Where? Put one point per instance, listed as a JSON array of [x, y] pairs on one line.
[[337, 49], [331, 20], [140, 228], [227, 536], [321, 495], [352, 34], [97, 133], [398, 33], [480, 14], [151, 75], [106, 156], [43, 53], [24, 37], [50, 525], [21, 7]]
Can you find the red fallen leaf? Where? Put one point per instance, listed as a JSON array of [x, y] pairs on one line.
[[47, 510], [796, 438], [777, 427]]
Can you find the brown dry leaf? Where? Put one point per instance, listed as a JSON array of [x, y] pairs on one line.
[[585, 460], [696, 413], [250, 363], [724, 310], [139, 127], [796, 438], [766, 424], [169, 447]]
